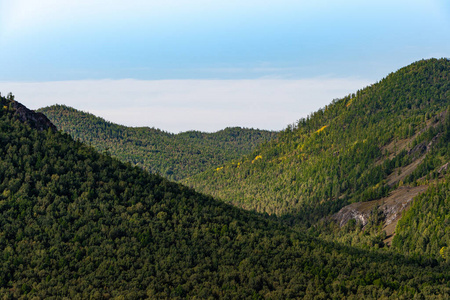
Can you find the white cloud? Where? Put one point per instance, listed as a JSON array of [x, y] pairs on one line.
[[180, 105]]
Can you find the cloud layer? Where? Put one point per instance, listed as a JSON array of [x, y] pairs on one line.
[[181, 105]]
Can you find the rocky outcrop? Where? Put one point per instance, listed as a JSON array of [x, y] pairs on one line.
[[354, 211], [423, 147], [443, 168], [419, 149], [391, 207], [34, 119]]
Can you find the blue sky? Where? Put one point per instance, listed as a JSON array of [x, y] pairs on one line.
[[356, 41]]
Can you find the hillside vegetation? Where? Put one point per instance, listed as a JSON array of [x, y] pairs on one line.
[[358, 148], [174, 156], [425, 228], [76, 223]]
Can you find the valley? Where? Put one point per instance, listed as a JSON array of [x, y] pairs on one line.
[[350, 202]]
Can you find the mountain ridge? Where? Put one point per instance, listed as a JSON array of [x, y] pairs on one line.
[[174, 156], [339, 154], [35, 119]]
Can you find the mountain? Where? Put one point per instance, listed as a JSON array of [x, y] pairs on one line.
[[358, 148], [175, 156], [75, 223], [364, 159]]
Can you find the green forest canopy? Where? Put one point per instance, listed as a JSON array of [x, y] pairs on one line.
[[344, 152], [77, 223], [174, 156]]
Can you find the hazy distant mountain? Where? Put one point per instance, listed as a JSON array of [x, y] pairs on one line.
[[174, 156]]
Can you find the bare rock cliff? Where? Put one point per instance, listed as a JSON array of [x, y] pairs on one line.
[[34, 119], [391, 207]]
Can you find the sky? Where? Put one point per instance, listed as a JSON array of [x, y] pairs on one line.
[[201, 64]]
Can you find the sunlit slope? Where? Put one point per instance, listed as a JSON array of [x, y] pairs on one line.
[[174, 156], [346, 152], [424, 229]]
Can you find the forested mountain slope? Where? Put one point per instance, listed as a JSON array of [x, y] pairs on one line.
[[423, 223], [358, 148], [174, 156], [425, 228], [76, 223]]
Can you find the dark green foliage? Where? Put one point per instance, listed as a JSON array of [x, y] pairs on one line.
[[354, 233], [342, 153], [425, 227], [174, 156], [75, 223]]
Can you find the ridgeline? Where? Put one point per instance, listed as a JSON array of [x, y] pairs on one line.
[[358, 148], [174, 156]]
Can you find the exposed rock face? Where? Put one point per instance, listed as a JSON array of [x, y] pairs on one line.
[[443, 168], [423, 147], [391, 206], [419, 149], [34, 119], [354, 211]]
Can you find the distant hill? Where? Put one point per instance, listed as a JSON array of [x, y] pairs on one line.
[[359, 148], [174, 156], [75, 223]]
